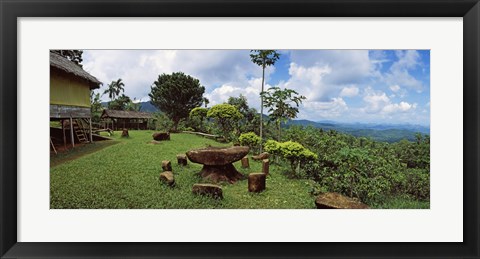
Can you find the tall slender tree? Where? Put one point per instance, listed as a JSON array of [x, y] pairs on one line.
[[114, 89], [283, 105], [263, 58]]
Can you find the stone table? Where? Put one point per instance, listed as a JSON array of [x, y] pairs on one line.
[[218, 162]]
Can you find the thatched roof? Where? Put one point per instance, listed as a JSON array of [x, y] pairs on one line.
[[115, 114], [61, 63]]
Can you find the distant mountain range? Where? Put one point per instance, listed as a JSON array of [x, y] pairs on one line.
[[144, 106], [376, 131]]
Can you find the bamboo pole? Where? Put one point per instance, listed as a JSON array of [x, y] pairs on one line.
[[71, 132], [63, 133], [91, 136]]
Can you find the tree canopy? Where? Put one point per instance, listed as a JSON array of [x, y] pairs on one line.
[[176, 94], [282, 104], [74, 55], [114, 89]]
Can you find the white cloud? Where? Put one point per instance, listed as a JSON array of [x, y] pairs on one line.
[[377, 102], [347, 66], [398, 107], [251, 91], [316, 111], [349, 91], [140, 68], [399, 71], [394, 88]]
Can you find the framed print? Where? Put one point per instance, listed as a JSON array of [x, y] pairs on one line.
[[344, 92]]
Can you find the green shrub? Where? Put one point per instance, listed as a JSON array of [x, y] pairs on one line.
[[196, 119], [249, 139], [295, 153], [226, 116]]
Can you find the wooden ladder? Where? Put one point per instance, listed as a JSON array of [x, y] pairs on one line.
[[80, 131]]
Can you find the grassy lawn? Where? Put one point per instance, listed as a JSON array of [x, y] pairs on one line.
[[126, 175]]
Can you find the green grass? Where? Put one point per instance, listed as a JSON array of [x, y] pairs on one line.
[[402, 203], [126, 175]]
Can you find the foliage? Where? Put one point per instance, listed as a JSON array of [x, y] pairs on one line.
[[362, 168], [249, 139], [280, 103], [251, 119], [121, 103], [226, 116], [74, 55], [162, 122], [95, 106], [176, 94], [272, 147], [263, 58], [114, 89], [196, 119], [296, 154]]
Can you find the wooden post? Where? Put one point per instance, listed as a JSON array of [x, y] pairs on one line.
[[91, 135], [64, 136], [265, 166], [71, 132]]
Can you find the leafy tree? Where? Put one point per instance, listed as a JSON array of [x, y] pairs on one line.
[[176, 95], [114, 89], [250, 116], [263, 58], [121, 103], [73, 55], [95, 106], [133, 105], [280, 103], [206, 101], [226, 116], [197, 117]]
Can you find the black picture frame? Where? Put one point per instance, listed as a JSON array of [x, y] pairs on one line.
[[10, 10]]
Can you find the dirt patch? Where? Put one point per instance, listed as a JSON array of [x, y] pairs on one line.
[[65, 155]]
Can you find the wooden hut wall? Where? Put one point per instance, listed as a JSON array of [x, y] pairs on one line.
[[121, 123], [68, 90]]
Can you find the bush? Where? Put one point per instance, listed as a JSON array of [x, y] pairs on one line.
[[163, 122], [249, 139], [226, 117], [296, 154], [196, 119]]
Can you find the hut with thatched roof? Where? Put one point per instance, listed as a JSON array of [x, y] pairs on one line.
[[115, 119], [70, 88]]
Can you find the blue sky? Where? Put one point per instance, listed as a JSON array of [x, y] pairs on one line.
[[370, 86]]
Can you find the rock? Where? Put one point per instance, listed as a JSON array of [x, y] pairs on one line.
[[167, 177], [182, 159], [211, 190], [256, 182], [217, 162], [125, 133], [221, 173], [217, 155], [161, 136], [265, 166], [261, 156], [245, 163], [166, 165], [332, 200]]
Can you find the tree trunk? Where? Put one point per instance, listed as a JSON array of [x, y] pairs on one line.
[[261, 109], [279, 131]]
